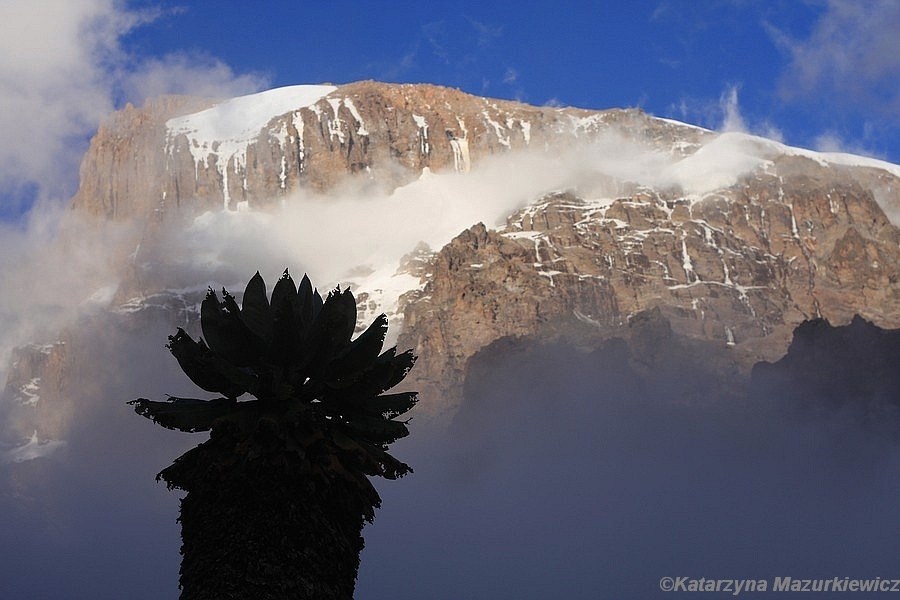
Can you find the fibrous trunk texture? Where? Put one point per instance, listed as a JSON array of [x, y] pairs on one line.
[[261, 537]]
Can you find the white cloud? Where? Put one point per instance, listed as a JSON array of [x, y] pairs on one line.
[[352, 232], [832, 141], [52, 264], [62, 67], [52, 89], [724, 115], [829, 142], [181, 73], [60, 265], [850, 54], [314, 234], [732, 119]]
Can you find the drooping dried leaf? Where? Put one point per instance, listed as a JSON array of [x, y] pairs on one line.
[[389, 406], [376, 430], [184, 414]]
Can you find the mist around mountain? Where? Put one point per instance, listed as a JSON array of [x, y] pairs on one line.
[[586, 453], [577, 475], [565, 472]]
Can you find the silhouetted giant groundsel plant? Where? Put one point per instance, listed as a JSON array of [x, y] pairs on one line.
[[292, 459]]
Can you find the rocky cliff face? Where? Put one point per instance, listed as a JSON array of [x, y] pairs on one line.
[[733, 243], [34, 394], [121, 174], [742, 267], [168, 159]]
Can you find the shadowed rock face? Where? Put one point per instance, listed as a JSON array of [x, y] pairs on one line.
[[841, 376], [122, 172], [848, 372]]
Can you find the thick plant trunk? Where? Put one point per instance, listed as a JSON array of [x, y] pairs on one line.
[[265, 538]]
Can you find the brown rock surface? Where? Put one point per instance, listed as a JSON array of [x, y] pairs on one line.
[[34, 398], [383, 134], [742, 266]]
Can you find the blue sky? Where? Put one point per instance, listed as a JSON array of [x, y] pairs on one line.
[[820, 73], [815, 73]]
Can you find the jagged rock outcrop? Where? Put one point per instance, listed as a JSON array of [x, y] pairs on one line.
[[121, 174], [742, 266], [847, 372], [34, 399]]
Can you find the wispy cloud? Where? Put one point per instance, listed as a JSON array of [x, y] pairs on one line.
[[850, 55], [191, 74], [435, 35], [52, 84], [62, 69], [486, 34], [724, 114], [728, 103]]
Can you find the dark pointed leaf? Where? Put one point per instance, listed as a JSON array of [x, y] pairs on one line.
[[251, 346], [284, 292], [388, 370], [361, 353], [330, 331], [211, 319], [286, 346], [400, 365], [195, 359], [317, 303], [305, 296], [244, 378], [348, 311], [225, 332], [255, 309]]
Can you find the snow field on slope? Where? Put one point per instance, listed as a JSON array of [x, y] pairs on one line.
[[240, 119]]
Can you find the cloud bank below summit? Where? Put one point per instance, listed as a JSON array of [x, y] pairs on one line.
[[566, 475]]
